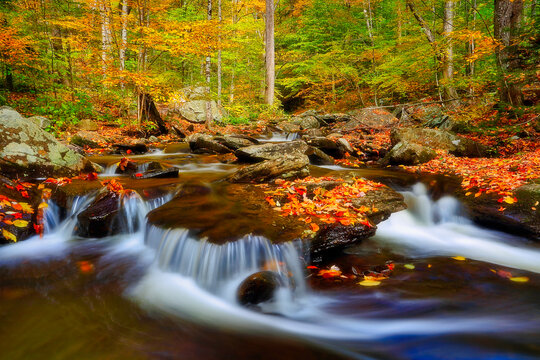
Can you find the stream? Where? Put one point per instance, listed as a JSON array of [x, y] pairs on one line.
[[157, 293]]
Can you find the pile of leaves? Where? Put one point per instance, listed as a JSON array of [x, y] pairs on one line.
[[319, 205]]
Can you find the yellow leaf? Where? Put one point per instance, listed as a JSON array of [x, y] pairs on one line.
[[8, 235], [520, 279], [26, 208], [43, 205], [409, 266], [20, 223], [509, 200], [369, 283], [459, 258]]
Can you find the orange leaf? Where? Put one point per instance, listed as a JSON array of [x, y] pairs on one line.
[[314, 227]]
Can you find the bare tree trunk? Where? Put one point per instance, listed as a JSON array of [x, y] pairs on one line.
[[234, 19], [219, 56], [106, 38], [123, 45], [471, 45], [448, 60], [270, 53], [141, 60], [208, 59], [507, 23]]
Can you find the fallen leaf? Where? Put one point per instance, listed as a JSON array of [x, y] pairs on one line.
[[20, 223], [459, 258], [409, 266], [369, 283], [8, 235], [519, 279]]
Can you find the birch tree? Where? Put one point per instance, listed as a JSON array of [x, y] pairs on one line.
[[270, 52]]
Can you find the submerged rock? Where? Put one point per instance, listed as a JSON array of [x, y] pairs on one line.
[[28, 151], [258, 288], [136, 148], [88, 138], [159, 174], [333, 238]]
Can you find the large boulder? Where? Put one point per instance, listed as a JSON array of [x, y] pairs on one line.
[[333, 238], [438, 140], [318, 157], [258, 288], [333, 146], [404, 153], [287, 166], [257, 153], [306, 122], [27, 150], [99, 219], [41, 121], [195, 111]]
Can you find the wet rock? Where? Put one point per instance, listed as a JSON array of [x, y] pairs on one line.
[[88, 138], [8, 213], [127, 168], [331, 239], [518, 218], [318, 157], [178, 132], [258, 288], [88, 125], [438, 140], [313, 133], [381, 203], [195, 111], [405, 153], [235, 142], [27, 150], [205, 144], [257, 153], [100, 218], [159, 174], [135, 148], [332, 118], [153, 139], [287, 167]]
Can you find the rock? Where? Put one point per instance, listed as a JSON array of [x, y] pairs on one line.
[[381, 203], [205, 144], [258, 288], [328, 145], [318, 157], [313, 133], [153, 139], [136, 148], [405, 153], [332, 118], [195, 111], [127, 168], [345, 146], [159, 174], [178, 132], [40, 121], [88, 138], [438, 140], [88, 125], [27, 150], [256, 153], [235, 142], [331, 239], [289, 127], [100, 218], [8, 212], [306, 122], [518, 218], [287, 166], [365, 119]]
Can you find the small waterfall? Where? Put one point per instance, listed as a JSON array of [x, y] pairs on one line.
[[110, 170], [220, 268], [439, 228]]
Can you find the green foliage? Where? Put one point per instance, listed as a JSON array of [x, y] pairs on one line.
[[3, 100]]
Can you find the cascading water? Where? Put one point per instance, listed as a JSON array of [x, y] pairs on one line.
[[440, 228], [281, 137]]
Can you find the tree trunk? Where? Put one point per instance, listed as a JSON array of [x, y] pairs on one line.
[[151, 113], [507, 23], [207, 70], [9, 79], [270, 53], [123, 45], [219, 57], [106, 37], [448, 59]]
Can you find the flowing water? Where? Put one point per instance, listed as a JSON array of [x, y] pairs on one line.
[[154, 293]]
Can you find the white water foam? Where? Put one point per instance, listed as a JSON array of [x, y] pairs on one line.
[[439, 228]]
